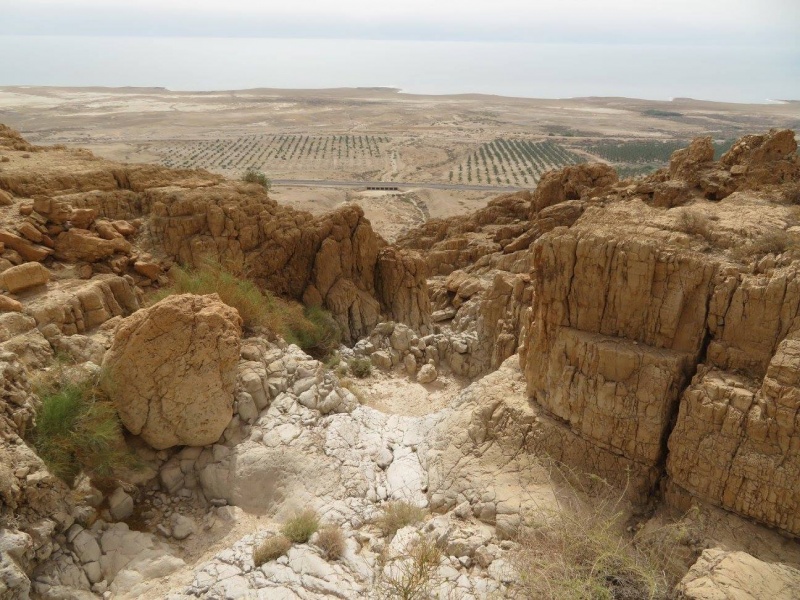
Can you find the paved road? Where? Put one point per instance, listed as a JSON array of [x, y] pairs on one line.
[[398, 184]]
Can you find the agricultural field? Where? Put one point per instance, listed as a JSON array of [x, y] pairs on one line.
[[512, 162], [641, 157], [280, 154]]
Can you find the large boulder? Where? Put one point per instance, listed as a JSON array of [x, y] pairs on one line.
[[171, 370]]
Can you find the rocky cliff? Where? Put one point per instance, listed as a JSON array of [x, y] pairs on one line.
[[656, 319], [663, 338], [106, 217]]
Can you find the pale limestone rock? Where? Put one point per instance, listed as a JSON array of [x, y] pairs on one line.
[[427, 374], [182, 526], [381, 359], [120, 504]]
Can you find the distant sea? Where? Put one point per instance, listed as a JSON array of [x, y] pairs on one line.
[[725, 73]]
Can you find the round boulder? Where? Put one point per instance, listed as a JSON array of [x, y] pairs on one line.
[[171, 370]]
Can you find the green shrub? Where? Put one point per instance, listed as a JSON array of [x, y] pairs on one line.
[[361, 367], [398, 514], [255, 176], [301, 526], [330, 540], [313, 329], [270, 549], [77, 429]]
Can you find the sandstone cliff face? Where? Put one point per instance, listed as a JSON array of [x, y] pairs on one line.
[[669, 337]]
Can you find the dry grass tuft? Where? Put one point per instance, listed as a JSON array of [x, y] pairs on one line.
[[397, 515], [301, 526], [330, 540], [582, 551], [270, 549]]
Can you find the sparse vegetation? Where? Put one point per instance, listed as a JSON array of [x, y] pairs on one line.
[[361, 367], [654, 112], [301, 526], [255, 176], [330, 541], [270, 549], [77, 429], [581, 551], [674, 546], [411, 577], [319, 334], [398, 514], [775, 242], [350, 385], [313, 329], [694, 222]]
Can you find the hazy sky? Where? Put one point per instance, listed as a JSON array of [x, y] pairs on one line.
[[607, 21]]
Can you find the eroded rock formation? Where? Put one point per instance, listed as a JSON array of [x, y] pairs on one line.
[[170, 370], [85, 210]]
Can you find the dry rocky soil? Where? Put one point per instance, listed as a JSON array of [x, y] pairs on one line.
[[644, 333]]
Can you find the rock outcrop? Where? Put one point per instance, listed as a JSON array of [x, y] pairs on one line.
[[171, 370], [660, 339], [721, 575], [572, 183]]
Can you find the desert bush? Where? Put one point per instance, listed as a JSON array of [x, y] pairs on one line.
[[361, 367], [301, 526], [581, 551], [411, 576], [310, 328], [270, 549], [773, 242], [77, 429], [694, 222], [256, 176], [330, 540], [398, 514]]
